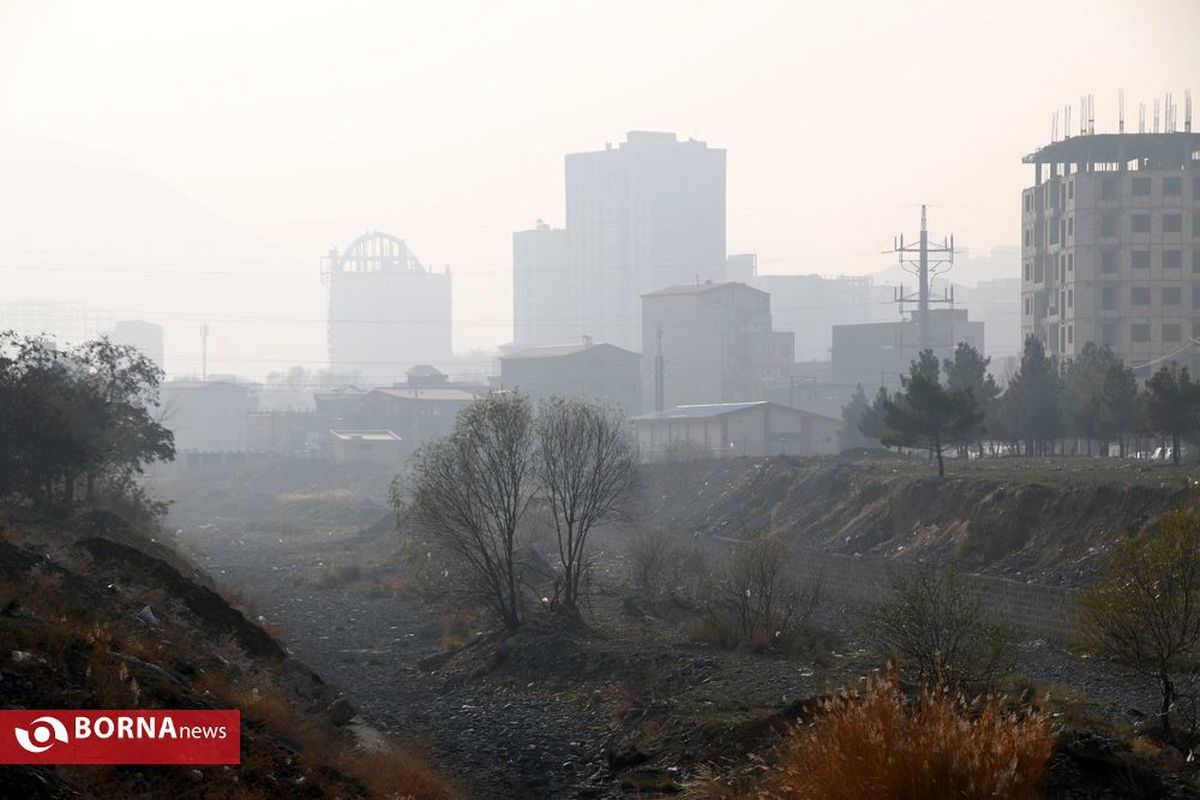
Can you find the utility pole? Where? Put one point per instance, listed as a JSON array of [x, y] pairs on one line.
[[659, 374], [204, 351], [925, 261]]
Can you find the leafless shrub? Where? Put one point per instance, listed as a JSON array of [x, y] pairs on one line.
[[939, 631], [755, 597]]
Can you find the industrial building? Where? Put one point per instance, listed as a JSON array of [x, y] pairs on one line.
[[541, 288], [641, 216], [387, 312], [1111, 245], [735, 429], [710, 343], [598, 372], [879, 354]]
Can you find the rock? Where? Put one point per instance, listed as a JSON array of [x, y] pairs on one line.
[[341, 711], [147, 618], [632, 607], [623, 754]]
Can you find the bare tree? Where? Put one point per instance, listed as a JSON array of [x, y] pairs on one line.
[[471, 491], [1144, 611], [586, 470]]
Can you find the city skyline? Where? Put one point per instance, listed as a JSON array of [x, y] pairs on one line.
[[256, 125]]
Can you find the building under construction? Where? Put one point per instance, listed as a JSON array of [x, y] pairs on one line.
[[387, 312], [1111, 242]]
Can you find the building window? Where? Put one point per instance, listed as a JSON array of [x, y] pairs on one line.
[[1071, 190], [1029, 305], [1039, 271], [1139, 332], [1029, 237], [1172, 332], [1139, 259], [1028, 270], [1140, 223], [1070, 334], [1070, 298], [1108, 334], [1172, 223], [1054, 231], [1139, 295], [1141, 187], [1108, 261], [1029, 202], [1070, 262], [1108, 298], [1070, 226], [1196, 298], [1108, 225], [1108, 189], [1196, 191], [1172, 259], [1062, 267], [1172, 295]]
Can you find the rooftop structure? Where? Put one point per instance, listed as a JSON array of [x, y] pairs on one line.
[[387, 312]]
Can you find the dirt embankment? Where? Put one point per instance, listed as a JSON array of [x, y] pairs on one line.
[[1050, 520]]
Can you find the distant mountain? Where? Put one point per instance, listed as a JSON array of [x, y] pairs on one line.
[[82, 225]]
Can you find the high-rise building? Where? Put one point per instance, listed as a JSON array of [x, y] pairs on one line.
[[641, 216], [387, 312], [1111, 246], [541, 288], [145, 336]]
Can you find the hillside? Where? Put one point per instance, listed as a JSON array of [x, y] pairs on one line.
[[1046, 520], [96, 615]]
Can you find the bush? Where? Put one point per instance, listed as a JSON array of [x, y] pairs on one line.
[[655, 559], [938, 631], [878, 745], [755, 598], [1144, 611]]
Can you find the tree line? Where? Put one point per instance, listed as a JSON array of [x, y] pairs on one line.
[[1083, 405], [77, 424]]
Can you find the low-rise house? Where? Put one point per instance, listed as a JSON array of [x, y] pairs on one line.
[[754, 428], [376, 446]]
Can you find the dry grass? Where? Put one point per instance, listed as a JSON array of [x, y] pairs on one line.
[[396, 772], [877, 744]]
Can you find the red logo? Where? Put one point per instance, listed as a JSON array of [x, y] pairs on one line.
[[130, 736]]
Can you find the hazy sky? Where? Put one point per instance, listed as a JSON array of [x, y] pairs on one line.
[[446, 123]]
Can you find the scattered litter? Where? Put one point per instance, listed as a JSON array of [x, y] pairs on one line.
[[147, 618]]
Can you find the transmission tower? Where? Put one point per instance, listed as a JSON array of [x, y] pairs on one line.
[[925, 261]]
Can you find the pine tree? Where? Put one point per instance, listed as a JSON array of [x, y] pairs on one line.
[[929, 416], [1031, 403], [969, 370], [851, 436], [1173, 405]]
